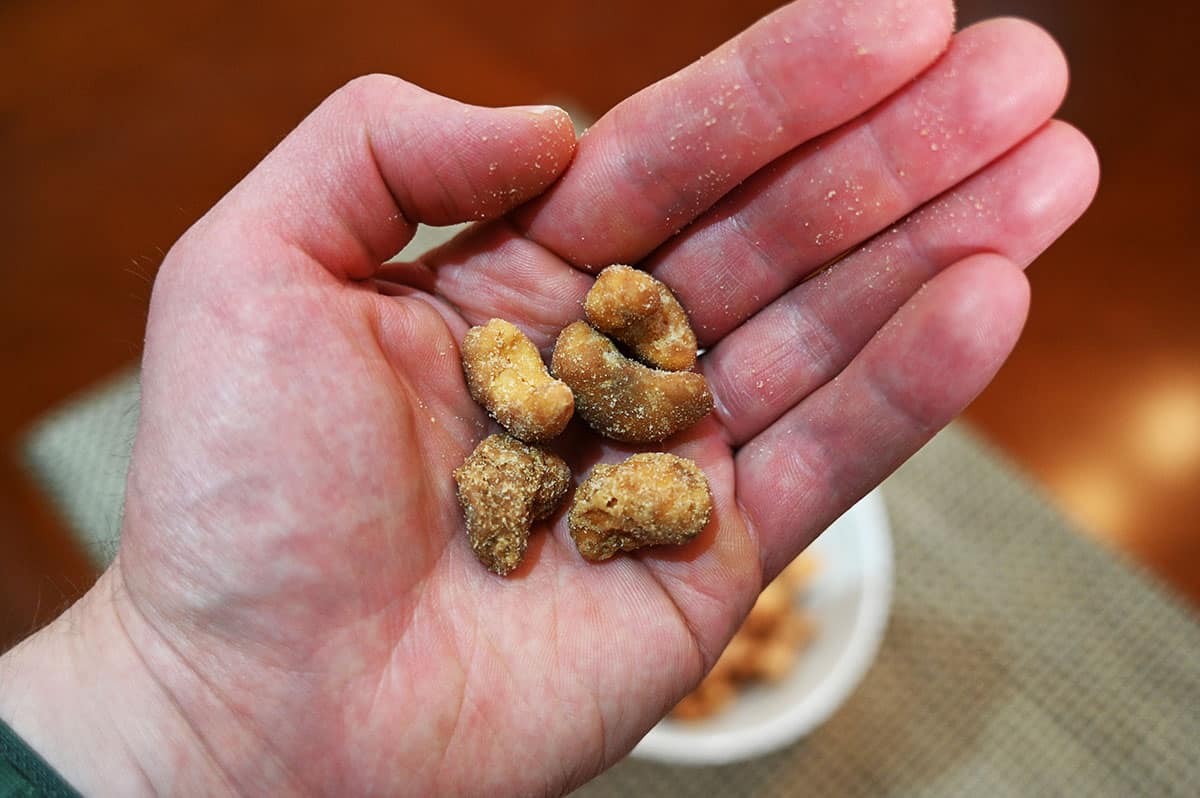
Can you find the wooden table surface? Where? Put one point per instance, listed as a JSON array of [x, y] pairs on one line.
[[121, 122]]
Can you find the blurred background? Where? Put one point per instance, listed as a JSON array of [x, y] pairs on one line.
[[122, 122]]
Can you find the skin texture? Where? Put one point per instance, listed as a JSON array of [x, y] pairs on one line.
[[632, 307], [651, 499], [503, 487], [622, 399], [295, 607], [506, 375]]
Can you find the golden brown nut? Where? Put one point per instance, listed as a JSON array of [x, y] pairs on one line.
[[642, 313], [773, 660], [648, 500], [764, 649], [799, 572], [796, 629], [503, 487], [710, 696], [506, 375], [733, 664], [621, 398], [774, 602]]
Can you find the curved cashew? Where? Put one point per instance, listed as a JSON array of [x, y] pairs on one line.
[[620, 397], [506, 375], [648, 500], [503, 487], [631, 306]]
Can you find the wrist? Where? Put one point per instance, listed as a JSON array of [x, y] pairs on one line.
[[80, 693]]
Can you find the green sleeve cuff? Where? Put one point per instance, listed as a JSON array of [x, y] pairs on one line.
[[24, 774]]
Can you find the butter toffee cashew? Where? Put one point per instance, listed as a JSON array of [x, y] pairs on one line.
[[619, 397], [650, 499], [506, 375], [639, 311], [504, 486]]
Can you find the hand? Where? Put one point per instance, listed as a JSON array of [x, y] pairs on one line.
[[295, 607]]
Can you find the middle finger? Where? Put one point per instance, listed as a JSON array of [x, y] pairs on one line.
[[998, 82]]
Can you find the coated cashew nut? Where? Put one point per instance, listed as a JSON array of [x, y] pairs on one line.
[[620, 397], [506, 375]]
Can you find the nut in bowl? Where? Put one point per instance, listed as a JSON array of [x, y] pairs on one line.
[[846, 598]]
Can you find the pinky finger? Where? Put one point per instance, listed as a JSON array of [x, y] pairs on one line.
[[918, 372]]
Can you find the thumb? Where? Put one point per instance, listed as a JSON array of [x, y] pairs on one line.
[[347, 187]]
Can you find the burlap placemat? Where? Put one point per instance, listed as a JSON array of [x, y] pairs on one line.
[[1021, 659]]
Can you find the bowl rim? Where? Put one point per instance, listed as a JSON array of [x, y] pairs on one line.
[[688, 747]]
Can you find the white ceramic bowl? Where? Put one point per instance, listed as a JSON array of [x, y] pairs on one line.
[[849, 598]]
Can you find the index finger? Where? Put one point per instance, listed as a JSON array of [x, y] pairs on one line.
[[659, 159]]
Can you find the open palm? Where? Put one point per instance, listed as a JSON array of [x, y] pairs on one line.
[[294, 570]]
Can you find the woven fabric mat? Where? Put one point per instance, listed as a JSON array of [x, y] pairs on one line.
[[1021, 658]]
